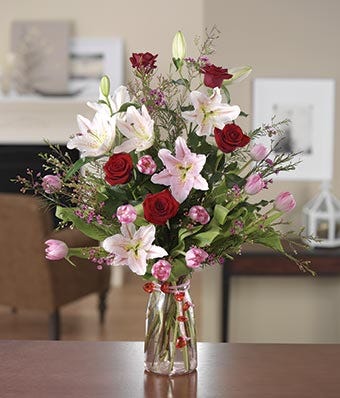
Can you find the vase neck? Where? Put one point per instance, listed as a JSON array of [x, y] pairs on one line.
[[174, 288]]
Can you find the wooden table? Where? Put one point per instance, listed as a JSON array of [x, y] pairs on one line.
[[51, 369], [260, 261]]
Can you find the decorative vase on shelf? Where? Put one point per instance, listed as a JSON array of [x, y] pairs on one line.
[[170, 346]]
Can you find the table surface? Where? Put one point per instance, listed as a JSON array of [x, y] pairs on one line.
[[48, 369]]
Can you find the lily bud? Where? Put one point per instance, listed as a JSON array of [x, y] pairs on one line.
[[105, 86], [239, 73], [178, 49]]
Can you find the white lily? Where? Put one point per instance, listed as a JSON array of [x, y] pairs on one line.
[[133, 248], [120, 96], [95, 137], [210, 112], [138, 129]]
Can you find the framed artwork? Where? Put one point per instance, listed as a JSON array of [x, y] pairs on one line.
[[90, 59], [309, 105]]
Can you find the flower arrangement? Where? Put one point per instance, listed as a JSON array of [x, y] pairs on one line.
[[167, 181]]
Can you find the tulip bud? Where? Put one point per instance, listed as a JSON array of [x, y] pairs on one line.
[[239, 73], [254, 184], [178, 49], [105, 86], [258, 152], [284, 202], [56, 249], [51, 183], [161, 270], [126, 214]]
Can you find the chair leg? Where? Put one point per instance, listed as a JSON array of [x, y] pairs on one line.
[[54, 325], [102, 305]]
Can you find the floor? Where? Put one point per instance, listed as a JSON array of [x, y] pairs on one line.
[[125, 318]]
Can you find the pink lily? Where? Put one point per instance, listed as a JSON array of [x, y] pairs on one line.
[[182, 171], [133, 248]]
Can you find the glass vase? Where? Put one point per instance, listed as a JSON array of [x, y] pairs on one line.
[[170, 346]]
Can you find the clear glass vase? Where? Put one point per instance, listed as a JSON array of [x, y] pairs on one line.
[[170, 346]]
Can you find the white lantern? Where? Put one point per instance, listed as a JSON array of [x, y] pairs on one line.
[[322, 218]]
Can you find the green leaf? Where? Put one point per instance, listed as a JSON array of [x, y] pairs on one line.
[[244, 114], [184, 233], [179, 269], [181, 82], [226, 93], [206, 238], [92, 230], [125, 106], [76, 166], [220, 214], [271, 240], [234, 179]]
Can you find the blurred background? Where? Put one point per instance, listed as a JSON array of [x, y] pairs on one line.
[[290, 40]]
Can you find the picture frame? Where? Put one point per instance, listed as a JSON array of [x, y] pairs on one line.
[[92, 58], [309, 105]]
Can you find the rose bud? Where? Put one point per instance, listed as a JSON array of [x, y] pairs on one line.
[[254, 184], [160, 207], [143, 62], [161, 270], [199, 214], [146, 165], [51, 183], [118, 169], [284, 202], [230, 138], [56, 249], [195, 257], [126, 214], [214, 75], [258, 152]]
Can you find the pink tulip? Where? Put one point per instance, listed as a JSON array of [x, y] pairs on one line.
[[195, 256], [56, 249], [199, 214], [258, 152], [146, 165], [284, 202], [161, 270], [126, 214], [51, 183], [254, 184]]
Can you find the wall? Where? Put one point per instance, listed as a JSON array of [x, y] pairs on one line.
[[282, 39], [147, 25]]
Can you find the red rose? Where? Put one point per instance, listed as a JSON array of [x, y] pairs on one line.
[[118, 168], [143, 62], [230, 138], [214, 75], [160, 207]]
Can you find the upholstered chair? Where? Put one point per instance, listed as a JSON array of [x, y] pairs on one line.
[[27, 279]]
